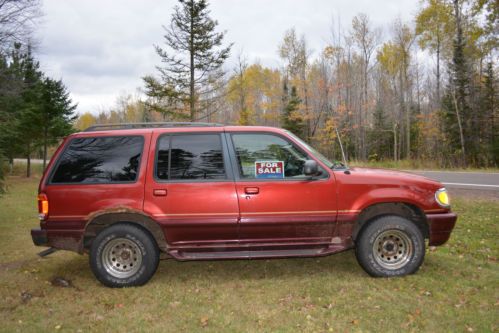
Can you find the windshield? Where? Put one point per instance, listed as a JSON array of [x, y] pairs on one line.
[[321, 157]]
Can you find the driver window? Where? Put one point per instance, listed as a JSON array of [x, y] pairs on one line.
[[197, 156], [264, 156]]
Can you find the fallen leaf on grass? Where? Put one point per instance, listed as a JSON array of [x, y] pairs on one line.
[[204, 321]]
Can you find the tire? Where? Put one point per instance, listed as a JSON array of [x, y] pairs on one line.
[[390, 246], [124, 255]]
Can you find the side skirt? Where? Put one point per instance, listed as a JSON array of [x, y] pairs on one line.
[[259, 251]]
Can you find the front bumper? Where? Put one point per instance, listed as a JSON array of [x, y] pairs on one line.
[[39, 237], [441, 226]]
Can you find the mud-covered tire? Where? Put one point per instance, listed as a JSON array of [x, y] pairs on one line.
[[124, 255], [390, 246]]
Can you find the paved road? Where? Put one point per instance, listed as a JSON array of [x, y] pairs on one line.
[[464, 180], [33, 160]]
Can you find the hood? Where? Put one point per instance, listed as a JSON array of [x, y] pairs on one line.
[[385, 176]]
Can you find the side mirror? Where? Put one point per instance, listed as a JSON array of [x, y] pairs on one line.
[[311, 168]]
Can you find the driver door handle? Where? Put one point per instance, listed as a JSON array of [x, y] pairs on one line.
[[251, 190]]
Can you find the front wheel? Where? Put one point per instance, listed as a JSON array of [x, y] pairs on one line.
[[390, 246], [123, 255]]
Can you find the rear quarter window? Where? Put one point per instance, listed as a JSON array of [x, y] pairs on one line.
[[99, 160]]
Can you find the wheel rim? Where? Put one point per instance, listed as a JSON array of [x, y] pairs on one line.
[[392, 249], [121, 258]]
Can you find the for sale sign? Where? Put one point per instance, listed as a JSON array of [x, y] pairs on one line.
[[269, 169]]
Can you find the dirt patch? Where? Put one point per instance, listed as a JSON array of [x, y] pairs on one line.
[[9, 266]]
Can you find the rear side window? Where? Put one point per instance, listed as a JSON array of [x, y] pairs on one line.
[[192, 156], [100, 160]]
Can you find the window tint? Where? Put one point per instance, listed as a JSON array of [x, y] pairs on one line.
[[283, 159], [197, 156], [100, 160]]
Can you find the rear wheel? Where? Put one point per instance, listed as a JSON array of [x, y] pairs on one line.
[[123, 255], [390, 246]]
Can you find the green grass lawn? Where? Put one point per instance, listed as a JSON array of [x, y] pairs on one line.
[[456, 290]]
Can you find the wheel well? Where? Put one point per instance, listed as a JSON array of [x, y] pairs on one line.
[[408, 211], [103, 221]]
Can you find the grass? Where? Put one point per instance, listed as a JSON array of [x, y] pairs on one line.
[[415, 165], [456, 289]]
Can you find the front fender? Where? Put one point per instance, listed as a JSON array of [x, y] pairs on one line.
[[413, 196]]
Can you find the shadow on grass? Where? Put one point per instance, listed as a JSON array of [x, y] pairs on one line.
[[342, 265]]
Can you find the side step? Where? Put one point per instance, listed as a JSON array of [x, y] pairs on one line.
[[254, 254]]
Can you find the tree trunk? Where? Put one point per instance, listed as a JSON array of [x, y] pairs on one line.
[[438, 71], [395, 155], [407, 108], [28, 160], [191, 53], [45, 138]]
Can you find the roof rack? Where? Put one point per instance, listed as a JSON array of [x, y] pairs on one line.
[[110, 127]]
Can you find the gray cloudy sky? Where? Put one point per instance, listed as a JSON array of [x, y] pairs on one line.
[[102, 48]]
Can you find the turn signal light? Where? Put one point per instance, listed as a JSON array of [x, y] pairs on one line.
[[43, 206]]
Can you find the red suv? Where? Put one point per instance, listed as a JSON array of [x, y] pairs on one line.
[[194, 191]]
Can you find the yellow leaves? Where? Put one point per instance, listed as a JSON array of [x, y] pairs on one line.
[[327, 134], [332, 51], [435, 25], [256, 92], [388, 58], [85, 120]]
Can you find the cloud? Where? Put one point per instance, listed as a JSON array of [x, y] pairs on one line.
[[103, 48]]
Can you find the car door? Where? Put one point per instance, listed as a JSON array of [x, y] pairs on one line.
[[277, 202], [190, 190]]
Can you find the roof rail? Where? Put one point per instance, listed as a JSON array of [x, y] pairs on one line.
[[110, 127]]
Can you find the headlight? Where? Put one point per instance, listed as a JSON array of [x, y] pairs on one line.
[[442, 198]]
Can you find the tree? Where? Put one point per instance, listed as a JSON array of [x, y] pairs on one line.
[[192, 59], [291, 119], [27, 129], [403, 40], [435, 26], [294, 50], [84, 121], [11, 87], [366, 38], [17, 21], [489, 117], [239, 87], [56, 114], [34, 110], [255, 96]]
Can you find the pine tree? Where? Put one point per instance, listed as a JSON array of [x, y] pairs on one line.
[[490, 116], [192, 59], [27, 129], [34, 110], [291, 119], [56, 114]]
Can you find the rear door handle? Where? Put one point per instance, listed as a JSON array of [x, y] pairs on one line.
[[251, 190], [160, 192]]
